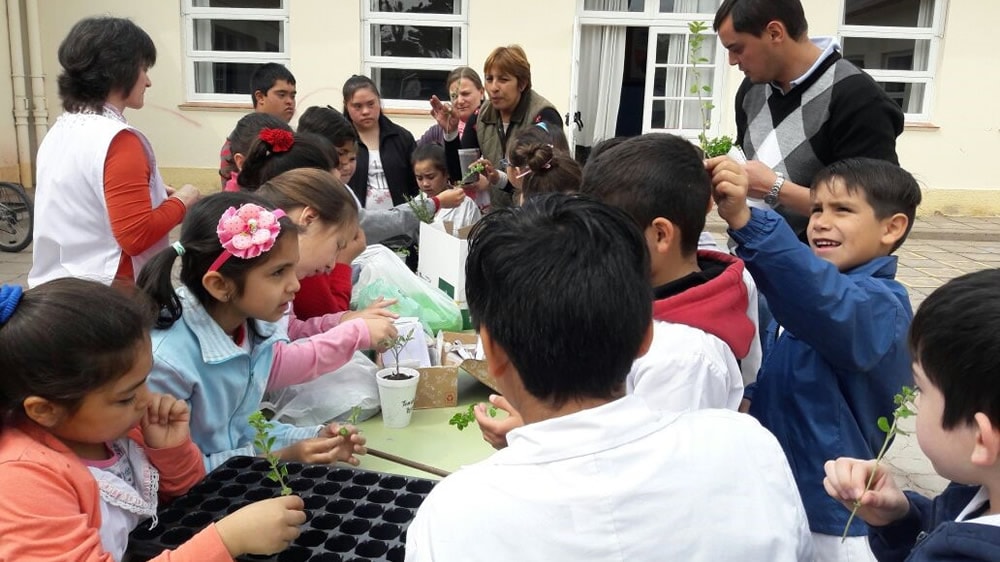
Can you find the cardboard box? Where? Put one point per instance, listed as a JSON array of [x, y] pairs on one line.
[[438, 386], [442, 258]]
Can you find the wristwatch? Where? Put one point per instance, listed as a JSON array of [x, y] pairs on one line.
[[772, 196]]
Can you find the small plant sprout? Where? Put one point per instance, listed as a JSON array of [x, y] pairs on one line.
[[716, 146], [904, 409], [263, 442], [462, 420], [351, 420], [475, 169], [395, 346], [419, 206]]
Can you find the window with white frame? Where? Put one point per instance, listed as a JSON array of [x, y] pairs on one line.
[[896, 42], [226, 40], [410, 46]]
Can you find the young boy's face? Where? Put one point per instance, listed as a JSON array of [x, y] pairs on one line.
[[348, 155], [278, 101], [843, 228], [949, 450]]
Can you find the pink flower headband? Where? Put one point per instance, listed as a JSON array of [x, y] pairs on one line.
[[246, 232], [279, 139]]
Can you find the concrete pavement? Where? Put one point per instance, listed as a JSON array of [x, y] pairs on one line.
[[938, 249]]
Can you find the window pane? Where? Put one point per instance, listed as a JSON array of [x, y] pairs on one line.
[[223, 77], [238, 35], [658, 118], [908, 95], [448, 7], [410, 84], [895, 13], [416, 41], [692, 114], [613, 5], [689, 6], [887, 54], [245, 4]]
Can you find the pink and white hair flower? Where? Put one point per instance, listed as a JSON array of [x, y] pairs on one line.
[[247, 232]]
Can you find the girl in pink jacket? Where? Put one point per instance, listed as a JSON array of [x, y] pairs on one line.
[[86, 450]]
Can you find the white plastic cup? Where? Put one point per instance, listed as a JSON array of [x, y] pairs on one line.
[[397, 396]]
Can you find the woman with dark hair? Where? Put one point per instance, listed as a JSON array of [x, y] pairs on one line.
[[102, 208], [512, 106], [384, 176]]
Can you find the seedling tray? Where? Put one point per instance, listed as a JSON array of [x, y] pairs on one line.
[[353, 515]]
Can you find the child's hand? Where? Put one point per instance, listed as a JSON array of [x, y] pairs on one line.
[[353, 444], [451, 198], [442, 113], [263, 527], [166, 423], [377, 309], [318, 450], [845, 481], [380, 330], [729, 189], [494, 430]]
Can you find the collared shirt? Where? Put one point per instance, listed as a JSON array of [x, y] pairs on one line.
[[620, 482], [829, 45]]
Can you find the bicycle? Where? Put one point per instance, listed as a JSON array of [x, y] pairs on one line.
[[16, 218]]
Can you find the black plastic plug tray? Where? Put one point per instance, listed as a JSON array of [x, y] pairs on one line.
[[353, 515]]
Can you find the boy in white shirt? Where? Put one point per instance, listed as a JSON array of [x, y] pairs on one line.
[[559, 292], [955, 343]]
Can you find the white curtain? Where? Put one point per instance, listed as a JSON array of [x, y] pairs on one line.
[[602, 65], [678, 55], [921, 56]]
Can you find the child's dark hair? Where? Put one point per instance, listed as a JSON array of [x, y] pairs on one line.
[[546, 170], [201, 246], [328, 123], [66, 338], [100, 56], [606, 144], [265, 76], [249, 127], [434, 153], [562, 285], [752, 16], [888, 188], [650, 176], [355, 83], [263, 163], [540, 133], [310, 187], [955, 338]]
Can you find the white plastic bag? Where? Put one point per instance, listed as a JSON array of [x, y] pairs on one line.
[[329, 397], [384, 275], [466, 214]]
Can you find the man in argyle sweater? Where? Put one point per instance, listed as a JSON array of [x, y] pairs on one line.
[[801, 105]]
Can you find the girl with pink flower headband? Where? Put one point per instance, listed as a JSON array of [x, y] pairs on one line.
[[221, 340]]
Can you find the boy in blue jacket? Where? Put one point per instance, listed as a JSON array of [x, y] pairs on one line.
[[955, 342], [836, 354]]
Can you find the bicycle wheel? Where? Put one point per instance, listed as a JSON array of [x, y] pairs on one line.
[[16, 222]]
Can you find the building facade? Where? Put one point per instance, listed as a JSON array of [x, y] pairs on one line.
[[611, 66]]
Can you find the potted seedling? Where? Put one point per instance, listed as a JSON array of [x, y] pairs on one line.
[[397, 385], [904, 409], [263, 442], [715, 146]]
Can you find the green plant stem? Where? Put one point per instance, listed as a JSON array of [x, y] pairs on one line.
[[871, 478]]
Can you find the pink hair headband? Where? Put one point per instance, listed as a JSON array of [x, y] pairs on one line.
[[246, 232]]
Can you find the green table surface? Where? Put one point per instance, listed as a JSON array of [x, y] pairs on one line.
[[429, 439]]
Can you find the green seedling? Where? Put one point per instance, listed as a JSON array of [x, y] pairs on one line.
[[462, 420], [395, 346], [716, 146], [419, 206], [904, 409], [475, 169], [263, 442], [351, 420]]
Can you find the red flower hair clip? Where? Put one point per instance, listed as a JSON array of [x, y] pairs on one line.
[[279, 139]]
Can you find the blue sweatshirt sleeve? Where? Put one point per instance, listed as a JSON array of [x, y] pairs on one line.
[[814, 301]]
